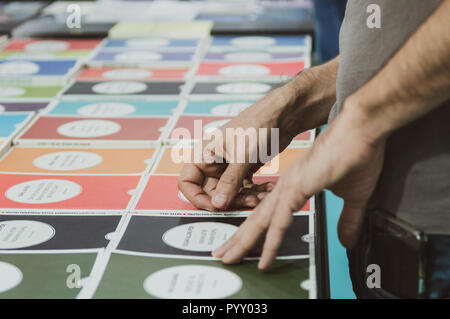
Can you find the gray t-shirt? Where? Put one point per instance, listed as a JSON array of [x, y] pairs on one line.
[[415, 181]]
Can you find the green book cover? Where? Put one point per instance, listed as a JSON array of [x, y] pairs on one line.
[[28, 276], [131, 276]]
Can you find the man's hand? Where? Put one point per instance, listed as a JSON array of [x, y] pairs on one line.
[[213, 185], [342, 159], [300, 105]]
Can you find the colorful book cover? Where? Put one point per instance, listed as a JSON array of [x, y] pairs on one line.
[[51, 232], [140, 276], [51, 45], [161, 193], [217, 108], [171, 161], [22, 107], [12, 123], [121, 57], [128, 89], [193, 127], [36, 275], [151, 43], [263, 56], [58, 55], [111, 108], [16, 68], [66, 129], [36, 72], [21, 192], [241, 88], [262, 41], [199, 236], [141, 74], [250, 70], [188, 30], [16, 93], [77, 160]]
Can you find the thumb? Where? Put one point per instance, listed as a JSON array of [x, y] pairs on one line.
[[350, 223], [229, 185]]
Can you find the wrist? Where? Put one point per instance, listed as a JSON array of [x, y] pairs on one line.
[[309, 98], [372, 126]]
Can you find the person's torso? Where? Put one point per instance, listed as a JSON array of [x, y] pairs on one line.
[[415, 181]]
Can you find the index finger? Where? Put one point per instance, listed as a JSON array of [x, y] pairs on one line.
[[190, 183]]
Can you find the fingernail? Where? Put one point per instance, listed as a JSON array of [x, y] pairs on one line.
[[220, 200], [227, 257], [261, 196], [262, 265]]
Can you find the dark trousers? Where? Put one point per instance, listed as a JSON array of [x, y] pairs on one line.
[[437, 276]]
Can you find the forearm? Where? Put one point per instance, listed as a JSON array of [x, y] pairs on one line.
[[413, 82], [309, 98]]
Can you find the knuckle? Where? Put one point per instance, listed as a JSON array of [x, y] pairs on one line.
[[229, 179]]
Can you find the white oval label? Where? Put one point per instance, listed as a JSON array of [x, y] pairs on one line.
[[67, 161], [243, 88], [119, 87], [137, 56], [230, 109], [16, 234], [126, 74], [11, 91], [88, 128], [253, 41], [10, 276], [244, 70], [192, 282], [106, 109], [248, 56], [43, 191], [46, 46], [201, 236], [146, 43], [18, 68]]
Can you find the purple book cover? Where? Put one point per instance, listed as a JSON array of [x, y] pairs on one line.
[[21, 107], [125, 56]]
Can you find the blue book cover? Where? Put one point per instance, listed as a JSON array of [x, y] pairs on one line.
[[107, 108], [13, 67], [217, 108], [251, 42], [11, 122]]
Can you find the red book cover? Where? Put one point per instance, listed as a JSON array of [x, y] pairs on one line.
[[67, 128], [144, 74], [161, 193], [250, 69], [43, 45], [109, 192]]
